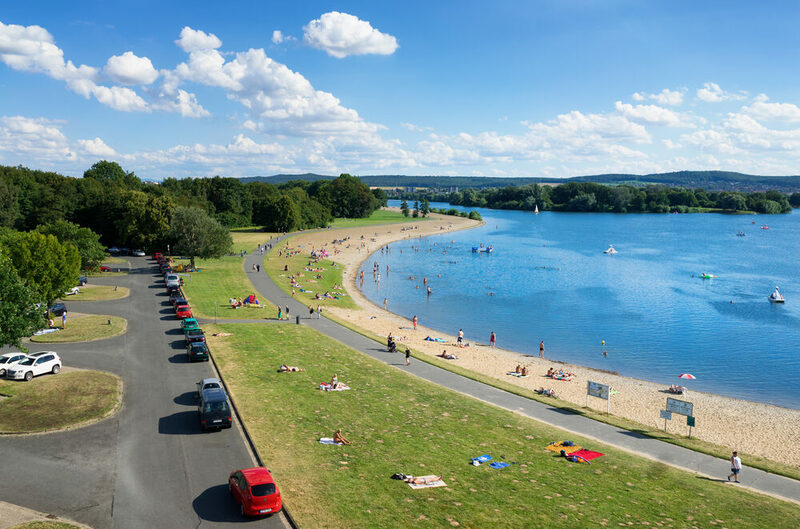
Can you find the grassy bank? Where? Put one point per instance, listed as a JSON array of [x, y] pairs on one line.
[[248, 239], [52, 402], [399, 423], [381, 216], [99, 293], [219, 280], [84, 328]]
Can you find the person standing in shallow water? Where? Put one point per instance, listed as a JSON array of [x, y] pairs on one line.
[[492, 339], [541, 349]]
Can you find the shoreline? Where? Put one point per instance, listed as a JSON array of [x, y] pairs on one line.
[[751, 427]]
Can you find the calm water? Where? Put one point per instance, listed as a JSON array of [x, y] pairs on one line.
[[551, 281]]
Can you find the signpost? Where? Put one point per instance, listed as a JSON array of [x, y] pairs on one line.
[[601, 391], [690, 423], [681, 407], [667, 416]]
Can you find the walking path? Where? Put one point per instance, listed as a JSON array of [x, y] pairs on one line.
[[707, 467]]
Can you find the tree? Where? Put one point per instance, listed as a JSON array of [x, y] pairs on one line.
[[794, 200], [733, 202], [194, 233], [43, 263], [111, 173], [425, 207], [416, 209], [141, 220], [348, 197], [19, 316], [85, 240], [404, 208]]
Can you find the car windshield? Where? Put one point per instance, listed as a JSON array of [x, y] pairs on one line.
[[27, 362], [264, 489], [216, 407], [5, 359], [211, 385]]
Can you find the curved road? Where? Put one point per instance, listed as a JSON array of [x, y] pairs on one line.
[[149, 466]]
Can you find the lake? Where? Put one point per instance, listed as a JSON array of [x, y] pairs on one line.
[[548, 279]]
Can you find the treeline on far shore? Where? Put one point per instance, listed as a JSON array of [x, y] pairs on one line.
[[592, 197]]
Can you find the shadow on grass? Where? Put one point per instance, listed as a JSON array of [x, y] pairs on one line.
[[215, 504]]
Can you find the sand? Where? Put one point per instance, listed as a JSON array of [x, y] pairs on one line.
[[749, 427]]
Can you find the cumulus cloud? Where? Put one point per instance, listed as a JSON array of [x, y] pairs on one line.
[[664, 97], [130, 70], [762, 110], [38, 138], [120, 98], [196, 40], [712, 93], [277, 36], [651, 114], [96, 147], [342, 34]]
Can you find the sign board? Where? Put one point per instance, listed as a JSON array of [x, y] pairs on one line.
[[681, 407], [666, 415], [601, 391], [689, 420]]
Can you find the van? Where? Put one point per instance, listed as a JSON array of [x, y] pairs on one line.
[[213, 408]]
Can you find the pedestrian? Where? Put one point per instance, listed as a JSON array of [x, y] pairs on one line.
[[408, 356], [492, 339], [385, 301], [280, 313], [319, 312], [541, 349], [254, 267], [258, 268], [460, 338], [64, 320], [310, 311], [414, 321], [736, 467], [286, 309]]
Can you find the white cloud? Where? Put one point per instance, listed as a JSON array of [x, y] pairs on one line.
[[96, 147], [196, 40], [120, 98], [764, 111], [415, 128], [130, 70], [341, 34], [651, 114], [664, 97], [712, 93], [277, 36], [41, 139], [669, 144]]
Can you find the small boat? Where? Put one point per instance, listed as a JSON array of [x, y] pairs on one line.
[[536, 209], [740, 234], [764, 227], [481, 249], [611, 250], [776, 297], [707, 276]]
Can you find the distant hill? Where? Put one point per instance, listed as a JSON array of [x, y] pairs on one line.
[[710, 180]]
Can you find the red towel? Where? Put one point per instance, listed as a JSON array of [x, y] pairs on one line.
[[588, 455]]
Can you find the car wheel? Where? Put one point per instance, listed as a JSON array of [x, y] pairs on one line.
[[2, 372], [28, 376], [56, 369]]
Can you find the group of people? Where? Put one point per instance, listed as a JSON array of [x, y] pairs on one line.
[[678, 390], [522, 370], [239, 302], [559, 374]]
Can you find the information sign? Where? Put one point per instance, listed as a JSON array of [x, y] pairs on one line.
[[666, 415], [601, 391], [690, 421], [681, 407]]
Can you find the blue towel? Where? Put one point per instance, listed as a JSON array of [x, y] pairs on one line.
[[482, 459], [499, 464]]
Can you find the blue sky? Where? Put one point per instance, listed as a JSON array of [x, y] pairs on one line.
[[498, 88]]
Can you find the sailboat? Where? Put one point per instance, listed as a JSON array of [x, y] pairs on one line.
[[611, 250], [776, 297], [536, 209]]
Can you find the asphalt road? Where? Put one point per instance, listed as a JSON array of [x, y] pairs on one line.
[[149, 466]]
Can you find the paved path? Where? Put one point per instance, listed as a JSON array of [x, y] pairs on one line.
[[706, 466], [149, 466]]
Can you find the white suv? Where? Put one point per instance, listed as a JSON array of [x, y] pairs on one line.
[[10, 359], [34, 365], [173, 281]]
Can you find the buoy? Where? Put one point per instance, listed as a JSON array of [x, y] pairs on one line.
[[602, 342]]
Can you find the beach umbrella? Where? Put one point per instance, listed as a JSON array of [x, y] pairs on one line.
[[687, 376]]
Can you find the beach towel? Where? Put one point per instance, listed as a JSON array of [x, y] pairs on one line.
[[327, 387], [432, 484], [329, 441], [515, 374], [588, 455], [483, 458], [440, 340], [559, 446], [499, 464], [45, 331]]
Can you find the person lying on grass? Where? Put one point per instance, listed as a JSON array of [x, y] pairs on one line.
[[339, 438], [287, 369], [546, 392], [422, 480]]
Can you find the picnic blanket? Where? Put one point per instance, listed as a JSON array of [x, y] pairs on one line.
[[515, 374], [429, 339], [432, 484], [499, 464], [45, 331], [588, 455], [329, 441], [482, 459], [559, 446], [327, 387]]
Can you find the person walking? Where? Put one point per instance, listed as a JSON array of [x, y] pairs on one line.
[[492, 339], [541, 349], [64, 320], [280, 313], [319, 312], [408, 356], [310, 311], [286, 309], [460, 338], [736, 467], [385, 301], [414, 321]]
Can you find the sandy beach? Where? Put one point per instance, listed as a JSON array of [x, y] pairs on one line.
[[749, 427]]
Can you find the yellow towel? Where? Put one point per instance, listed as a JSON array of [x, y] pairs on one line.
[[559, 446]]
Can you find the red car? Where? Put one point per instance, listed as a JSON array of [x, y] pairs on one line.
[[255, 491], [157, 256], [183, 311], [105, 268]]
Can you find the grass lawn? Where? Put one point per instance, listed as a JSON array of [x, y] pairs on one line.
[[45, 525], [248, 239], [111, 260], [399, 423], [330, 277], [84, 328], [220, 280], [51, 402], [99, 293], [381, 216]]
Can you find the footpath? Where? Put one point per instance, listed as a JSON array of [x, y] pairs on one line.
[[705, 466]]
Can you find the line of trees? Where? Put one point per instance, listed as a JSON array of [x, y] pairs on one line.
[[592, 197]]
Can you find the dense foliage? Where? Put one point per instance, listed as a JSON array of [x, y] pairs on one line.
[[198, 235], [19, 316], [125, 211], [591, 197], [85, 240]]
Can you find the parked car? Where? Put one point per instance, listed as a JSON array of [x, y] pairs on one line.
[[138, 253], [213, 408], [180, 300], [105, 268], [113, 250], [58, 309], [157, 256], [194, 335], [189, 324], [174, 295], [255, 491], [172, 280], [197, 352], [125, 251], [82, 281], [35, 365], [10, 359], [183, 311]]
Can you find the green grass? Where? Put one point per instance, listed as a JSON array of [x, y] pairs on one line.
[[399, 423], [219, 280], [84, 329], [248, 239], [52, 402], [99, 293], [698, 445], [110, 260], [274, 266], [381, 216]]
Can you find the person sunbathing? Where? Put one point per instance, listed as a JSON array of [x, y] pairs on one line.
[[422, 480], [334, 382], [339, 438], [518, 369], [546, 392], [550, 373], [448, 356], [524, 371], [289, 369]]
